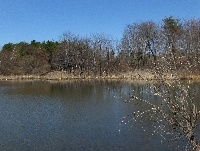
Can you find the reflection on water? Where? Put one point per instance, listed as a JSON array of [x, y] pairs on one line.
[[78, 115]]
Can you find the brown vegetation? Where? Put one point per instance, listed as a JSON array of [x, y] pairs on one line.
[[146, 75], [174, 45]]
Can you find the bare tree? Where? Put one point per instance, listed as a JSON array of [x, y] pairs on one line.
[[175, 114], [140, 42], [102, 46], [172, 30], [191, 44]]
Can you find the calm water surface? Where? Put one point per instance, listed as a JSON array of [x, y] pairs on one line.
[[79, 115]]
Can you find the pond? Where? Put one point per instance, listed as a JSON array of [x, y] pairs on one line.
[[72, 115]]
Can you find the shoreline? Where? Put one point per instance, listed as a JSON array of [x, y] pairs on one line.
[[134, 75]]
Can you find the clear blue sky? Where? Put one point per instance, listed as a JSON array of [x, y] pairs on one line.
[[26, 20]]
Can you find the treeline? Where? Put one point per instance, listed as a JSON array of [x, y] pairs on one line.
[[174, 45]]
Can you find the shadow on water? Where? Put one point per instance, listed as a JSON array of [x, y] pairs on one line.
[[73, 115]]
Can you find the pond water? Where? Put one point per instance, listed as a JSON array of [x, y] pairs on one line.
[[76, 115]]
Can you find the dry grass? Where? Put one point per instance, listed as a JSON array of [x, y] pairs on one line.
[[147, 75]]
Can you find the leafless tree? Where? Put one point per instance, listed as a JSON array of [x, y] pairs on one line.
[[103, 49], [191, 44], [173, 113], [176, 114], [140, 42]]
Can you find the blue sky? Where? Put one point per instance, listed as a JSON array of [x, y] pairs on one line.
[[26, 20]]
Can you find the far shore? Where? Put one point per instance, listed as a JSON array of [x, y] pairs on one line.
[[134, 75]]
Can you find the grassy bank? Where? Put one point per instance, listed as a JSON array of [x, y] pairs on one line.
[[134, 75]]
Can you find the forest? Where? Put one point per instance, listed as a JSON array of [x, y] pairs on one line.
[[173, 45]]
